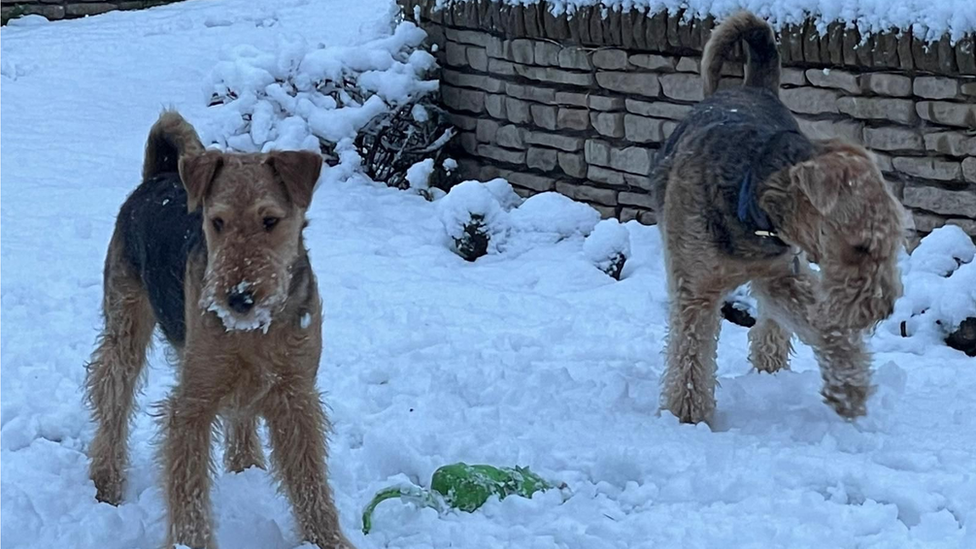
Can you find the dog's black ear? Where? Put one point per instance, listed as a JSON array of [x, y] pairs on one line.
[[818, 183], [299, 172], [197, 173]]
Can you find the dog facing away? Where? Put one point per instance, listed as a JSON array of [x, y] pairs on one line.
[[210, 248], [744, 196]]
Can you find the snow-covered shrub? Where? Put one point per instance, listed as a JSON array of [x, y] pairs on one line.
[[608, 247], [940, 287], [473, 219], [379, 95], [489, 218]]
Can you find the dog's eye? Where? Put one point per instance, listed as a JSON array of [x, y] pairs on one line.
[[270, 222], [218, 224]]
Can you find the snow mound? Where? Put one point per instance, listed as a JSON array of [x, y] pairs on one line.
[[555, 215], [940, 286], [299, 97], [608, 247], [470, 214]]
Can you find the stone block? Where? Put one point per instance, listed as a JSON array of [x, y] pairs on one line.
[[635, 160], [810, 100], [572, 119], [878, 108], [951, 114], [634, 83], [616, 179], [477, 81], [928, 168], [833, 78], [892, 138], [826, 129], [495, 105], [522, 51], [688, 64], [935, 87], [682, 86], [641, 200], [951, 143], [89, 8], [941, 201], [537, 183], [500, 67], [571, 98], [658, 109], [605, 197], [969, 169], [641, 129], [893, 85], [469, 142], [544, 116], [575, 58], [517, 111], [530, 93], [610, 59], [656, 63], [477, 58], [597, 152], [604, 103], [555, 76], [501, 154], [463, 99], [546, 54], [486, 130], [610, 124], [572, 164], [555, 140], [462, 122], [540, 159], [511, 136], [792, 77]]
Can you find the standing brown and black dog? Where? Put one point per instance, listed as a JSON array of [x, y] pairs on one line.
[[210, 248], [743, 196]]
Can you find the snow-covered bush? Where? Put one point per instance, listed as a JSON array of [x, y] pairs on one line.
[[608, 247], [378, 95], [489, 218], [473, 219], [940, 287]]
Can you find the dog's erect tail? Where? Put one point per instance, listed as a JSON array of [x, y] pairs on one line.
[[762, 55], [170, 138]]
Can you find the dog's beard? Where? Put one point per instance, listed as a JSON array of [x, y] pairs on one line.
[[859, 302], [268, 285]]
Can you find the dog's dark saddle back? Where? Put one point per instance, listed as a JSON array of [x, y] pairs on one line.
[[159, 236], [739, 137]]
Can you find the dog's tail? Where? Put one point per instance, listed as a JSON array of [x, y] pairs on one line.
[[762, 55], [170, 138]]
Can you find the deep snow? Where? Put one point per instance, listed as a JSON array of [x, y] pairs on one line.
[[531, 356]]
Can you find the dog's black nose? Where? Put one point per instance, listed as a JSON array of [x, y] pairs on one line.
[[240, 301]]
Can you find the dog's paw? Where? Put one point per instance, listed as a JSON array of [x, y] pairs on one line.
[[108, 487], [849, 401], [690, 407]]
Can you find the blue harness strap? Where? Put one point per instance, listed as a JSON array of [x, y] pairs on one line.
[[748, 209]]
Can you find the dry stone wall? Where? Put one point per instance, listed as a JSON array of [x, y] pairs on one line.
[[579, 104], [70, 9]]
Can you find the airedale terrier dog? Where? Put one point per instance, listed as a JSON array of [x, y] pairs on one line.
[[744, 197], [210, 248]]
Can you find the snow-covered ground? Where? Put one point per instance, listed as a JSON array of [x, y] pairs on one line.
[[531, 356]]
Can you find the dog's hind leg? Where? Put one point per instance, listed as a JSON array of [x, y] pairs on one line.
[[689, 382], [114, 370], [242, 445]]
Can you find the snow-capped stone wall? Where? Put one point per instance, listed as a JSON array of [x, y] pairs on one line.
[[69, 9], [579, 102]]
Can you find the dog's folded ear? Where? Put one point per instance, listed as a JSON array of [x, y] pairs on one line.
[[819, 183], [299, 172], [197, 173]]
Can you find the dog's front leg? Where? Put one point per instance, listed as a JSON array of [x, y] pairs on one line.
[[298, 426], [845, 368], [189, 421]]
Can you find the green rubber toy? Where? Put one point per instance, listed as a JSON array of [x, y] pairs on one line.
[[463, 487]]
